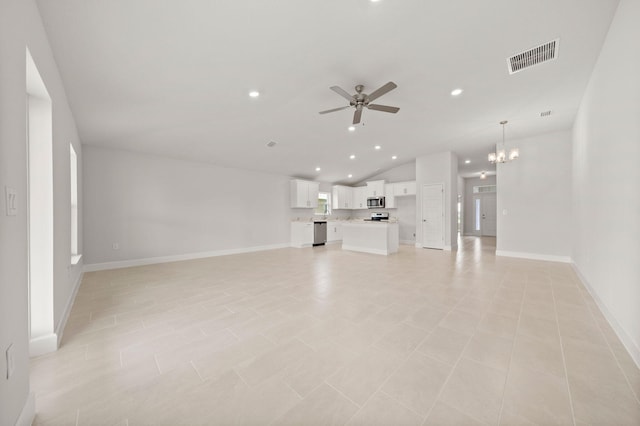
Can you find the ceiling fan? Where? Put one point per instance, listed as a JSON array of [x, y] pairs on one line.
[[361, 100]]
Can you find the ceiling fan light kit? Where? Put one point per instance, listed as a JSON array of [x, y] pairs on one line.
[[361, 100], [500, 154]]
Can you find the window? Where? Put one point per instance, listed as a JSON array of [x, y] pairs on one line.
[[484, 188], [324, 204], [73, 169]]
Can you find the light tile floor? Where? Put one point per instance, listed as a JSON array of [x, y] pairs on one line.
[[325, 336]]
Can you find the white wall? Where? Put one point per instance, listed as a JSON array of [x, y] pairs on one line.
[[439, 168], [402, 173], [405, 211], [21, 27], [606, 179], [535, 192], [468, 212], [156, 207]]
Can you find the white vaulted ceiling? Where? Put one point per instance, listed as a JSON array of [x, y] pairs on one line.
[[172, 77]]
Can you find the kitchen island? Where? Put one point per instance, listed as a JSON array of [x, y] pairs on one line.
[[376, 237]]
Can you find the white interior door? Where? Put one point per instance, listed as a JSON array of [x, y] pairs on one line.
[[488, 215], [433, 216]]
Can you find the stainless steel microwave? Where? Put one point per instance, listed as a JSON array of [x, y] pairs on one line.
[[375, 202]]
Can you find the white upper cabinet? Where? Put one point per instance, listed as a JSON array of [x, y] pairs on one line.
[[375, 188], [342, 197], [360, 197], [389, 199], [404, 188], [304, 194]]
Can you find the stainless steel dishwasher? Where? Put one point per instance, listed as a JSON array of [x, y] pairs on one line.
[[319, 233]]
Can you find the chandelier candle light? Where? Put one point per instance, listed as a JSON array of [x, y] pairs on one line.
[[500, 155]]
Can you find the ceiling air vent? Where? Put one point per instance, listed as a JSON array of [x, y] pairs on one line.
[[271, 144], [545, 113], [539, 54]]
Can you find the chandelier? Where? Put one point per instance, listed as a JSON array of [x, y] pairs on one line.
[[500, 155]]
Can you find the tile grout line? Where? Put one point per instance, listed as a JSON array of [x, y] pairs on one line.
[[155, 358], [615, 357], [402, 363], [341, 393], [295, 391], [513, 347], [403, 405], [564, 360], [196, 370], [453, 368]]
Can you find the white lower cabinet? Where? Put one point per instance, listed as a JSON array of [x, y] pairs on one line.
[[334, 231], [301, 234]]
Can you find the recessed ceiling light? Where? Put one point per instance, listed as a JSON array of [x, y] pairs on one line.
[[254, 94], [375, 1], [349, 175], [394, 157], [352, 156], [317, 169], [377, 147], [467, 161], [456, 92], [352, 128]]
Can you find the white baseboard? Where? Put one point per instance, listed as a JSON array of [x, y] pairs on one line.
[[408, 242], [418, 245], [28, 413], [165, 259], [43, 345], [301, 245], [534, 256], [366, 250], [627, 341], [67, 308]]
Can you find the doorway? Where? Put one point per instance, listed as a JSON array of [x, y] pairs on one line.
[[42, 337], [484, 215], [433, 216]]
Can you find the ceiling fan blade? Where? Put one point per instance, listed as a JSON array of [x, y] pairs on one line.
[[357, 115], [381, 91], [334, 110], [342, 93], [383, 108]]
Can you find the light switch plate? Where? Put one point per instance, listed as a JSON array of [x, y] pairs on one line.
[[10, 201], [11, 362]]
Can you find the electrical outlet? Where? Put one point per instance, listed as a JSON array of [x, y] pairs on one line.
[[11, 362], [115, 246]]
